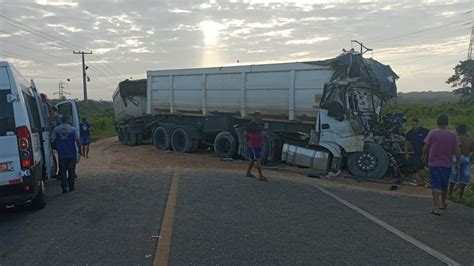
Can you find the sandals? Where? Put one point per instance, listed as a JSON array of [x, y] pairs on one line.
[[435, 213], [444, 208]]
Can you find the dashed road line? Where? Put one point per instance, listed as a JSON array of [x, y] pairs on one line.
[[164, 243], [440, 256]]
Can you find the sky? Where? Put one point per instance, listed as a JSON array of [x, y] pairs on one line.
[[421, 40]]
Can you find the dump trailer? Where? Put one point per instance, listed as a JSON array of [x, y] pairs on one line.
[[319, 114]]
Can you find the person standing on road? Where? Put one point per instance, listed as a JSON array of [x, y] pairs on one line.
[[255, 138], [440, 146], [66, 138], [462, 177], [416, 136], [85, 137]]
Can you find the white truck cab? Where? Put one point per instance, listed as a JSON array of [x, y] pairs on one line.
[[26, 158]]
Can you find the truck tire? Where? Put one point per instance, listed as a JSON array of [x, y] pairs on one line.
[[182, 140], [225, 145], [372, 163], [131, 139], [39, 202], [161, 138]]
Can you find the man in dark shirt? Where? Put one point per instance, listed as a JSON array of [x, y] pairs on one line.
[[416, 136], [255, 138], [67, 142]]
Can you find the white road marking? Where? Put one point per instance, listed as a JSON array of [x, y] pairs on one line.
[[440, 256]]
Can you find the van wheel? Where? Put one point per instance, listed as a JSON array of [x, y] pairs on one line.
[[161, 138], [372, 163], [225, 145], [39, 202], [181, 140]]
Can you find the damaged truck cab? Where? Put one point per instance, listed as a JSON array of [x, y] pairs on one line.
[[350, 114]]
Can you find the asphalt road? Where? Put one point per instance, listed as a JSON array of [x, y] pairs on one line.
[[224, 218]]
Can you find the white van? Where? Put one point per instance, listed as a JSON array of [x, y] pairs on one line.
[[26, 158]]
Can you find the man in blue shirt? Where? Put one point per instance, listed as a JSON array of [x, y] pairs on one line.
[[67, 141], [416, 136], [85, 137]]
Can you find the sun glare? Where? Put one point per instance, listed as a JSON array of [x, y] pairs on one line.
[[210, 29]]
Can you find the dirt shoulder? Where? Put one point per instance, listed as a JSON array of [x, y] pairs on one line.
[[109, 155]]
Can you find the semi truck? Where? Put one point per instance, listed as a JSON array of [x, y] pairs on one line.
[[320, 114]]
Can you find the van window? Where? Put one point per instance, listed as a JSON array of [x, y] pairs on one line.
[[33, 113], [7, 119]]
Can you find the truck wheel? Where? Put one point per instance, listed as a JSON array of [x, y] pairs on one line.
[[39, 202], [372, 163], [161, 138], [181, 140], [131, 139], [225, 145]]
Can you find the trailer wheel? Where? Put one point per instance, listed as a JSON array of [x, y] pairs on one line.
[[372, 163], [225, 145], [181, 140], [161, 138]]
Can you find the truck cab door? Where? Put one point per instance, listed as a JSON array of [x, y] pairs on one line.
[[45, 131], [69, 107]]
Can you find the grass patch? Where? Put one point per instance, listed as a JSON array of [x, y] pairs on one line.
[[468, 196], [103, 124], [458, 113]]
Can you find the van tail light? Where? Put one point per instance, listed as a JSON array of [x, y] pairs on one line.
[[24, 146]]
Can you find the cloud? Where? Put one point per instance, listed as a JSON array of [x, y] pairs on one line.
[[136, 36], [307, 41], [178, 11], [56, 3]]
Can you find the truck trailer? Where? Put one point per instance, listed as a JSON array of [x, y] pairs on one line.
[[318, 114]]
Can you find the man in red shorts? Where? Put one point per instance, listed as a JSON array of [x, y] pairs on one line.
[[440, 146], [255, 138]]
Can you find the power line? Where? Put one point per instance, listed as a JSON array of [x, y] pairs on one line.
[[29, 48], [15, 56], [417, 32], [49, 37]]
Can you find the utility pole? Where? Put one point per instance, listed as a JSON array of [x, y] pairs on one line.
[[84, 78], [471, 43], [61, 91]]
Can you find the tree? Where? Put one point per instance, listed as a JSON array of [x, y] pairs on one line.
[[463, 80]]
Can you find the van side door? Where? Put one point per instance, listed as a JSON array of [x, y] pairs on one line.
[[46, 131], [70, 108]]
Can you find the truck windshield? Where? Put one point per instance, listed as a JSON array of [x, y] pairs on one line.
[[7, 120]]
